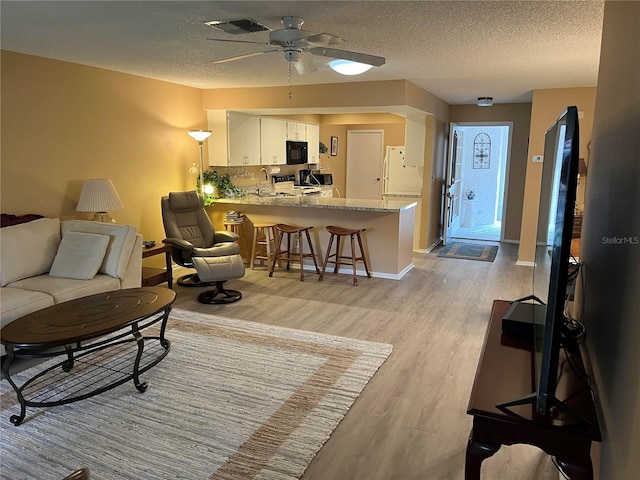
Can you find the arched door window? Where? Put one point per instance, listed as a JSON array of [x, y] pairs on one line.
[[482, 151]]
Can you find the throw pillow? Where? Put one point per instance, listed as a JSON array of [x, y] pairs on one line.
[[79, 255]]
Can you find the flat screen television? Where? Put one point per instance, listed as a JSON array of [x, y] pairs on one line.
[[553, 250], [553, 257]]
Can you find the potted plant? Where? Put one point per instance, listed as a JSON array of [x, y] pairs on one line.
[[222, 186]]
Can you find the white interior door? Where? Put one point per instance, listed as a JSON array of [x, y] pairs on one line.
[[451, 193], [364, 164]]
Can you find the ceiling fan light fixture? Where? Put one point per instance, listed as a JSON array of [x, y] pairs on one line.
[[292, 54], [485, 101], [347, 67]]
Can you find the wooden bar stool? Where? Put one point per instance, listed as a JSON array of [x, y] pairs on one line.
[[264, 241], [338, 233], [287, 254]]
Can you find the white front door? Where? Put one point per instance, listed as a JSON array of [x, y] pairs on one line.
[[451, 192], [364, 164]]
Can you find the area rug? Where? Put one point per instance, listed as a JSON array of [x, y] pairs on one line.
[[469, 251], [232, 400]]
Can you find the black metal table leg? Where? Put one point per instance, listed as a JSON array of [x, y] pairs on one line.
[[67, 365], [141, 386], [163, 341], [15, 419]]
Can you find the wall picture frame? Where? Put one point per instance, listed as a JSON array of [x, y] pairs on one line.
[[334, 146]]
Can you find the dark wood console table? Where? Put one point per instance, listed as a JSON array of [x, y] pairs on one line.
[[505, 373]]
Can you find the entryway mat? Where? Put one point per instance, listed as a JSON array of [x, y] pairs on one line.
[[469, 251]]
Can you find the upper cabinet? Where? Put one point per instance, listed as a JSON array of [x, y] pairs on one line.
[[243, 139], [255, 140], [313, 139], [273, 136], [296, 131]]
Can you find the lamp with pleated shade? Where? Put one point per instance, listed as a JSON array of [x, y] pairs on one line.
[[100, 196]]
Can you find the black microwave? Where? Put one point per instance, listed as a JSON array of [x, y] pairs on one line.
[[297, 153]]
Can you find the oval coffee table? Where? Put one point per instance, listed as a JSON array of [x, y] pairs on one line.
[[101, 338]]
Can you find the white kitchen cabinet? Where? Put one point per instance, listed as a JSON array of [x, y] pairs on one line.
[[273, 137], [243, 139], [296, 131], [313, 139]]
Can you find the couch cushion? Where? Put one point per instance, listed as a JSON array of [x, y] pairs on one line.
[[122, 238], [16, 302], [65, 289], [28, 249], [80, 255]]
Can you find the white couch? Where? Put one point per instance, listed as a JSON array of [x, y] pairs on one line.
[[32, 253]]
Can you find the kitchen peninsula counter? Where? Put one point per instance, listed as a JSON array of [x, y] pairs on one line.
[[388, 240], [313, 201]]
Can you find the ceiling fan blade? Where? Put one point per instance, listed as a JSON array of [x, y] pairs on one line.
[[237, 41], [305, 65], [323, 40], [346, 55], [240, 57]]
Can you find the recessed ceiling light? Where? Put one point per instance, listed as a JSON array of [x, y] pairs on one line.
[[347, 67], [485, 101]]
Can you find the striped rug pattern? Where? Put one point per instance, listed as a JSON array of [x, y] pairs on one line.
[[233, 400]]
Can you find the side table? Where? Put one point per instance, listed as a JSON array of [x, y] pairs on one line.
[[237, 227], [155, 276]]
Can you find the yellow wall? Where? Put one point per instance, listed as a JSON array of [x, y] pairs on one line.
[[305, 96], [546, 108], [63, 123], [95, 123]]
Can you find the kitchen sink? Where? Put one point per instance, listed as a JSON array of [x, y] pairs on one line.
[[273, 194]]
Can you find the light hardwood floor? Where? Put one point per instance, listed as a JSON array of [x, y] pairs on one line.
[[410, 421]]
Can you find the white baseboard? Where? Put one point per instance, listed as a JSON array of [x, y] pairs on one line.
[[522, 263], [347, 270]]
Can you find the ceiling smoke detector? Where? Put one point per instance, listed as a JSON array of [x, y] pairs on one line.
[[485, 101]]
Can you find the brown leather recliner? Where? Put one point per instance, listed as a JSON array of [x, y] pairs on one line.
[[195, 244]]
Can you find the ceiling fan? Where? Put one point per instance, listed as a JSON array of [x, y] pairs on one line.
[[296, 44]]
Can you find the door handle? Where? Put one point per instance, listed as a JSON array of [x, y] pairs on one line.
[[449, 193]]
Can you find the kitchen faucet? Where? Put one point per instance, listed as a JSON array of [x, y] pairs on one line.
[[266, 177]]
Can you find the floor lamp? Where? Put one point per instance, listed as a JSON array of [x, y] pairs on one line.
[[200, 136]]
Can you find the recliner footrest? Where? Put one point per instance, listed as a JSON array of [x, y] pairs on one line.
[[214, 269]]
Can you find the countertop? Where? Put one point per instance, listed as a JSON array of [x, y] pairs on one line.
[[403, 195], [316, 201]]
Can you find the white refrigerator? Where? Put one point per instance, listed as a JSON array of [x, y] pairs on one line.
[[400, 178]]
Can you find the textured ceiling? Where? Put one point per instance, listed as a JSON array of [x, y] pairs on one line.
[[457, 50]]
